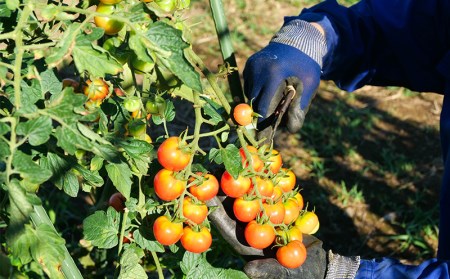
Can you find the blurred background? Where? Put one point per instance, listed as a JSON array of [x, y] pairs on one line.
[[368, 162]]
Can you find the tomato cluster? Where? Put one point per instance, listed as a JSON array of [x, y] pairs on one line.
[[266, 199]]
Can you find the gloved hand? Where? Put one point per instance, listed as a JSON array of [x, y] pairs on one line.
[[293, 57], [263, 264]]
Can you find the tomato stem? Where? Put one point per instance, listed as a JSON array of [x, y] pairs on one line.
[[158, 265]]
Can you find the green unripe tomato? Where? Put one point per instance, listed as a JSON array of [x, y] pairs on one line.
[[110, 2], [111, 26], [132, 104], [141, 66], [167, 5], [155, 105], [137, 128]]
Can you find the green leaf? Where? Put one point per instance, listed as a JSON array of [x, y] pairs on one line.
[[136, 148], [37, 130], [97, 63], [12, 4], [29, 95], [96, 163], [108, 152], [195, 266], [232, 160], [4, 128], [19, 243], [4, 150], [64, 47], [71, 140], [120, 175], [62, 106], [28, 169], [91, 177], [213, 110], [170, 40], [102, 228], [50, 83], [144, 243], [62, 177], [130, 268], [20, 206], [215, 155], [88, 133], [169, 114]]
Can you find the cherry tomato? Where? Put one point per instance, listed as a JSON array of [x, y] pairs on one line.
[[171, 156], [286, 181], [167, 187], [142, 66], [117, 200], [291, 234], [110, 2], [308, 222], [166, 5], [196, 242], [207, 190], [275, 212], [277, 194], [137, 128], [196, 212], [243, 114], [111, 26], [69, 82], [234, 188], [275, 161], [96, 89], [246, 210], [299, 199], [132, 104], [265, 187], [292, 255], [127, 238], [155, 105], [291, 210], [259, 236], [256, 162], [167, 232]]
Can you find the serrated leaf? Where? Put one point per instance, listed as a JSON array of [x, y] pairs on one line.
[[93, 178], [213, 110], [62, 106], [144, 243], [120, 175], [102, 228], [64, 46], [28, 169], [232, 160], [19, 241], [215, 155], [50, 83], [108, 152], [71, 140], [97, 63], [62, 177], [136, 148], [20, 206], [4, 128], [88, 133], [195, 266], [29, 95], [37, 130], [4, 150], [169, 114], [130, 267], [170, 40]]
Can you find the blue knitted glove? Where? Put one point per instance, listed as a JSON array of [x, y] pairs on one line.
[[293, 57]]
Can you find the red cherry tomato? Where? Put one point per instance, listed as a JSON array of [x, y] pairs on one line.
[[277, 194], [196, 242], [117, 200], [275, 212], [167, 187], [171, 155], [234, 188], [265, 187], [196, 212], [207, 190], [243, 114], [292, 255], [246, 210], [259, 236], [167, 232], [286, 181]]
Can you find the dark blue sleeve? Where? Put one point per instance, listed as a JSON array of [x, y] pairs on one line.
[[387, 42], [390, 268]]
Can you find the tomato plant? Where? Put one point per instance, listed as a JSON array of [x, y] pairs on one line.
[[308, 222], [243, 114], [292, 255], [167, 186], [196, 242], [172, 156], [166, 231]]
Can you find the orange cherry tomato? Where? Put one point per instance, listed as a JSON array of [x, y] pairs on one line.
[[96, 89], [234, 188], [246, 210], [167, 187], [264, 186], [299, 199], [256, 162], [259, 236], [293, 233], [287, 181], [292, 255], [167, 232], [275, 212], [277, 194], [243, 114], [171, 155], [275, 162], [196, 242], [196, 212], [207, 190], [291, 210]]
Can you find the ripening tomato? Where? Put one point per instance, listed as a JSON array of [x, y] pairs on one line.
[[292, 255], [111, 26], [96, 89], [243, 114], [259, 236], [291, 234], [117, 200], [208, 188], [308, 222], [196, 212], [246, 210], [196, 242], [167, 232], [132, 103], [69, 82], [110, 2], [167, 186], [286, 181], [172, 156], [299, 199], [256, 162], [166, 5], [137, 128], [275, 161], [291, 210], [275, 212], [277, 194], [234, 188], [264, 187]]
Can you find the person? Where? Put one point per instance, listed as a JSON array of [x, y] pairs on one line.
[[373, 42]]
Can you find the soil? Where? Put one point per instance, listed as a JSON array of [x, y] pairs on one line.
[[368, 162]]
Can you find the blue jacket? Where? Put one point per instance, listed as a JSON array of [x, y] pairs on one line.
[[398, 43]]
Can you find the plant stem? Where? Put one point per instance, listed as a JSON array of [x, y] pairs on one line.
[[158, 265], [122, 229], [69, 268]]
